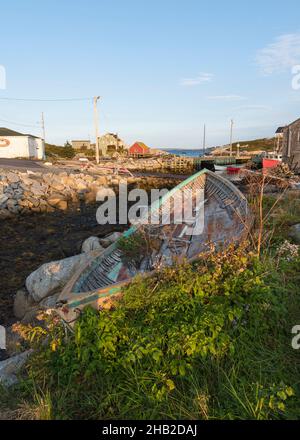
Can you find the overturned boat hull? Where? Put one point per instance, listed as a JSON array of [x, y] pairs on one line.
[[220, 217]]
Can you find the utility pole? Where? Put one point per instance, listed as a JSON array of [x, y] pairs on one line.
[[204, 139], [231, 136], [96, 121], [43, 127]]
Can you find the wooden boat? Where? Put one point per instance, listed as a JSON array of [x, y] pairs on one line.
[[226, 219], [233, 170], [220, 167]]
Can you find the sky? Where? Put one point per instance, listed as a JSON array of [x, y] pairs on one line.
[[163, 69]]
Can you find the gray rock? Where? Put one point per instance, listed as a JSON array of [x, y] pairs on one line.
[[49, 303], [12, 177], [27, 181], [3, 199], [295, 233], [38, 190], [110, 239], [51, 277], [91, 244], [22, 303], [11, 367], [12, 206]]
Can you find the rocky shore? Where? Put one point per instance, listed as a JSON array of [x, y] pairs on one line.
[[26, 192]]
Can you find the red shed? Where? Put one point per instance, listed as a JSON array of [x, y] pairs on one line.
[[139, 148]]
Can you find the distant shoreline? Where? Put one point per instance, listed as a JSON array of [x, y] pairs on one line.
[[186, 152]]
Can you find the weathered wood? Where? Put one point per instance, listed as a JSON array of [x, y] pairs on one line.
[[226, 217]]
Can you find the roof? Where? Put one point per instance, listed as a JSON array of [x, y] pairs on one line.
[[292, 123], [280, 130], [7, 132], [80, 140], [142, 145]]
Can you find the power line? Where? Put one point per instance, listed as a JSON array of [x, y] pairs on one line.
[[38, 125], [45, 99]]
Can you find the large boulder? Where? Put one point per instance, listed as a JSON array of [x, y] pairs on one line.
[[91, 244], [11, 367], [51, 277], [295, 233]]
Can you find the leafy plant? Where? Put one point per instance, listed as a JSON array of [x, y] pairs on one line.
[[206, 340]]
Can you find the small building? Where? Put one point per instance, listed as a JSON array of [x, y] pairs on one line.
[[110, 143], [81, 145], [279, 138], [139, 149], [279, 132], [19, 145], [291, 145]]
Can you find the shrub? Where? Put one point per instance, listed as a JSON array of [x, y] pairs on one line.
[[63, 152], [208, 340]]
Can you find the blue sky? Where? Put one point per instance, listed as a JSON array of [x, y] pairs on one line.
[[163, 68]]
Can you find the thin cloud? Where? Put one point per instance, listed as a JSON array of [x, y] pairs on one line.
[[227, 98], [200, 79], [254, 107], [281, 55]]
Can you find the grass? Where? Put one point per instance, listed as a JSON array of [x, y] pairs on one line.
[[266, 144], [209, 340]]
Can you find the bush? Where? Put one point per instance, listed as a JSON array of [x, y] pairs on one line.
[[62, 152], [208, 340]]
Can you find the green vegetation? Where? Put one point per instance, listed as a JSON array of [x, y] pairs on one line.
[[133, 249], [209, 340], [266, 144], [66, 152], [287, 213]]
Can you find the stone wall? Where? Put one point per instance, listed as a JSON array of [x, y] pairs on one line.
[[26, 192]]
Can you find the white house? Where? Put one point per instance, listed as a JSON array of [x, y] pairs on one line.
[[14, 144]]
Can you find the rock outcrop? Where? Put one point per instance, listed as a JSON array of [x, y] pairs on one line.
[[10, 368], [51, 277]]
